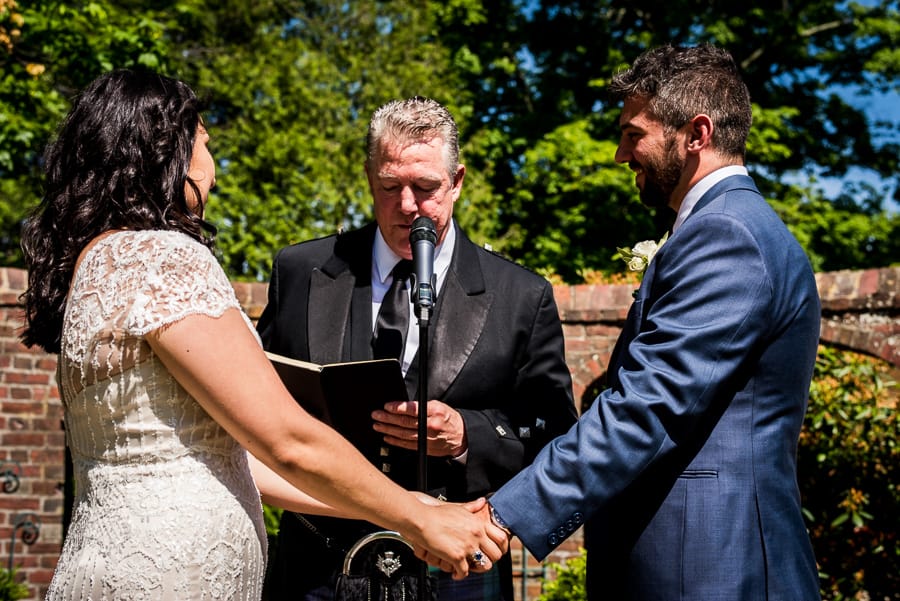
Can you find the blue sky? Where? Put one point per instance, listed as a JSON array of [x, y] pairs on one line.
[[878, 107]]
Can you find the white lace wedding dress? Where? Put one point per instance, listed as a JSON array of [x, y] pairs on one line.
[[165, 504]]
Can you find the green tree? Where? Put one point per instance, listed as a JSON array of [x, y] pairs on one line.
[[290, 98], [569, 179], [549, 66], [53, 49], [290, 85]]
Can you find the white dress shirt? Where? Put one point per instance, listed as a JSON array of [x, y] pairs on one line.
[[701, 188]]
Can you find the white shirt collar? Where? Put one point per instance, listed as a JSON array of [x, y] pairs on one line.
[[702, 187]]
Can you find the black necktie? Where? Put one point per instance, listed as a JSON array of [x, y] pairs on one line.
[[393, 317]]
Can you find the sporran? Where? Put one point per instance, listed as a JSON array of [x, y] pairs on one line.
[[382, 567]]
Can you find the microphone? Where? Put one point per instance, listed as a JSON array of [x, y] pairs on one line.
[[422, 238]]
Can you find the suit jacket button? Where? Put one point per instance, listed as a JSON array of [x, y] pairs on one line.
[[578, 517], [552, 540], [561, 532]]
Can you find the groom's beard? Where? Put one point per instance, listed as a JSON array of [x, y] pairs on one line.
[[661, 176]]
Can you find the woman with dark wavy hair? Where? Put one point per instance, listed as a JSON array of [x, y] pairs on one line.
[[163, 379]]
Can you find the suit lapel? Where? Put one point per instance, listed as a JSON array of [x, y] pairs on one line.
[[329, 305], [340, 297], [460, 315], [632, 323]]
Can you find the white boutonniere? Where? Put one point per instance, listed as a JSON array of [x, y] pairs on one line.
[[638, 257]]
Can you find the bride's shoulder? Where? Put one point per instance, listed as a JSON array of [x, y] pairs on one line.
[[152, 239], [161, 245], [141, 254]]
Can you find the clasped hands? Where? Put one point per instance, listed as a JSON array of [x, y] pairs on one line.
[[463, 539]]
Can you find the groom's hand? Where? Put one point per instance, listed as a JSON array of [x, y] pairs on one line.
[[501, 536]]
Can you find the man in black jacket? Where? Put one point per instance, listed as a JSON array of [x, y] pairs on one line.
[[498, 385]]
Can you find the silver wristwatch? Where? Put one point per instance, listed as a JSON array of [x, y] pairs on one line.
[[498, 521]]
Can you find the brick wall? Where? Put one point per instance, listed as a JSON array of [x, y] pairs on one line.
[[32, 446], [859, 311]]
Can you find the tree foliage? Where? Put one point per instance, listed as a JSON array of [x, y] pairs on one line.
[[290, 99], [48, 51], [290, 85], [794, 57]]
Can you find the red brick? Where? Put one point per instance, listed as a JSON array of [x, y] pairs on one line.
[[23, 439], [868, 283], [28, 378], [23, 406], [29, 402], [573, 346], [47, 364], [564, 297], [20, 393], [46, 455], [41, 576], [16, 280], [18, 503], [46, 424]]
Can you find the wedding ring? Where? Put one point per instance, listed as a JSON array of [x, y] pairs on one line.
[[477, 558]]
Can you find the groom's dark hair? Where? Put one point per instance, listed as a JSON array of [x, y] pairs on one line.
[[682, 82]]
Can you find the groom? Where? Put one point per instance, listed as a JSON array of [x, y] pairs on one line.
[[684, 471]]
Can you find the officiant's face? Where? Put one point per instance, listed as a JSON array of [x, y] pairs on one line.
[[409, 180]]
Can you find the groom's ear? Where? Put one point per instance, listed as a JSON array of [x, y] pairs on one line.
[[700, 133]]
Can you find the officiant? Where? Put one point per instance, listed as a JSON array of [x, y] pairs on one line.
[[498, 385]]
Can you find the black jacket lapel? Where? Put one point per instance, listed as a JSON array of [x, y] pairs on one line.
[[329, 305], [340, 296], [461, 312]]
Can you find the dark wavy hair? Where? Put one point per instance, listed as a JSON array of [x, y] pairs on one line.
[[681, 82], [119, 161]]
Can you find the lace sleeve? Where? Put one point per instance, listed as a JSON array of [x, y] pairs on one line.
[[180, 277]]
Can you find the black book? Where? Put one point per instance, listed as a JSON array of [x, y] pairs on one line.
[[343, 395]]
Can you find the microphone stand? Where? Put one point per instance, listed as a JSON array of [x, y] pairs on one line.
[[424, 299]]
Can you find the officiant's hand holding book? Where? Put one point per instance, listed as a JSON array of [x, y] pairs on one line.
[[343, 395]]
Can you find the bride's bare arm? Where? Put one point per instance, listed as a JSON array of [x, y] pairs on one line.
[[220, 363], [278, 492]]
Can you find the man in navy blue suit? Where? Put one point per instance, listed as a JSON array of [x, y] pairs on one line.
[[684, 471]]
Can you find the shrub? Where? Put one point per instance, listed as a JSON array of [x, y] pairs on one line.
[[10, 588], [849, 469], [272, 518], [568, 580]]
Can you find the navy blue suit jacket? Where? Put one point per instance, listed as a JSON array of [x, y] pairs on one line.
[[685, 468]]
